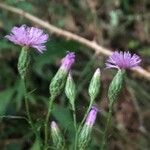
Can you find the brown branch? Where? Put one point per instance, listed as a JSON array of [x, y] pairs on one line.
[[70, 36]]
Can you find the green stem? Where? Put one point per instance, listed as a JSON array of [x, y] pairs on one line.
[[76, 139], [23, 64], [28, 111], [75, 126], [85, 116], [74, 118], [46, 121], [107, 127], [27, 105]]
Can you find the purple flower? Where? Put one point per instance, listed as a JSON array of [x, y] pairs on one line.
[[123, 60], [29, 37], [90, 120], [68, 61]]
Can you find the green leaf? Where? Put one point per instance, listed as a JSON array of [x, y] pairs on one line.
[[19, 94], [5, 45], [5, 98], [36, 145]]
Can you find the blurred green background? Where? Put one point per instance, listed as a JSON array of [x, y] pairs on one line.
[[115, 24]]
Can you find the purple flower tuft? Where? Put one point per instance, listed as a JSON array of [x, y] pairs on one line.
[[68, 61], [123, 60], [90, 120], [28, 36]]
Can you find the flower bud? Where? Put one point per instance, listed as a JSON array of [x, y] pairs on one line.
[[90, 120], [94, 86], [68, 61], [84, 135], [59, 79], [115, 86], [23, 62], [57, 138], [70, 89]]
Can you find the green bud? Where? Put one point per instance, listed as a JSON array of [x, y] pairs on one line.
[[94, 86], [115, 86], [85, 133], [70, 90], [84, 137], [57, 138], [58, 83], [23, 62]]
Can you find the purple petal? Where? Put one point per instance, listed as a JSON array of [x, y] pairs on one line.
[[123, 60], [28, 36]]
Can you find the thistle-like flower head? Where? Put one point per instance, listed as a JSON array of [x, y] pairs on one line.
[[29, 37], [68, 61], [123, 60], [90, 120]]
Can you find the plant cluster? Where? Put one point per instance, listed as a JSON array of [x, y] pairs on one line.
[[33, 37]]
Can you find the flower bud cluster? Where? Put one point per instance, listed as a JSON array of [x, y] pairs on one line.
[[59, 79]]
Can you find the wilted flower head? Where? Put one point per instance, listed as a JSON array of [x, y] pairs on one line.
[[29, 37], [123, 60], [67, 61], [90, 120]]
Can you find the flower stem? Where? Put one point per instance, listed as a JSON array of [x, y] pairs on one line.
[[107, 127], [27, 105], [75, 126], [74, 118], [30, 121], [85, 116], [46, 121], [76, 138]]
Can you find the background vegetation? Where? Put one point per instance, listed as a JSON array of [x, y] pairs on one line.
[[116, 24]]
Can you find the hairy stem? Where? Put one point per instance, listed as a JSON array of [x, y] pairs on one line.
[[75, 126], [46, 121], [107, 127], [27, 105], [29, 118], [74, 118]]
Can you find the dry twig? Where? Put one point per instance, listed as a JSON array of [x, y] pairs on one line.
[[70, 36]]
